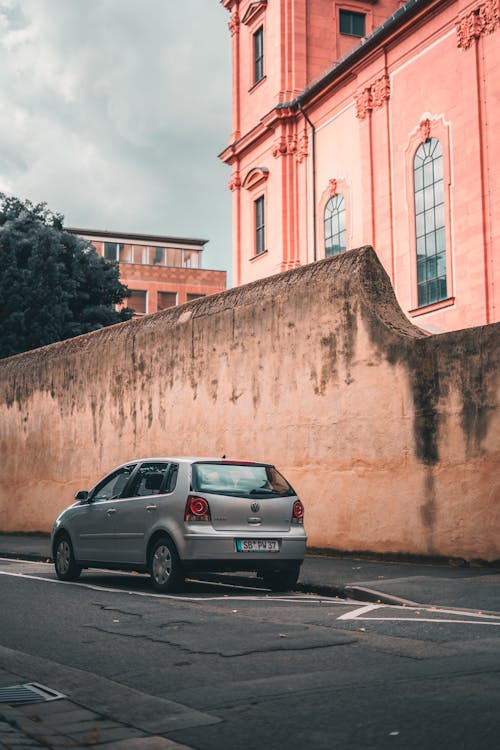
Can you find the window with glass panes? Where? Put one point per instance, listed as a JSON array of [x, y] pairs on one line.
[[335, 232], [260, 227], [165, 300], [258, 55], [352, 23], [429, 222], [137, 301]]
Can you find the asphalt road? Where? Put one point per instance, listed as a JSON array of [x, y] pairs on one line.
[[222, 666]]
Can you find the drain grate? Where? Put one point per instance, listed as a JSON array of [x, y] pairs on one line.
[[30, 692]]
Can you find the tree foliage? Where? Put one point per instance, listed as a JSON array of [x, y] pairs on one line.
[[53, 285]]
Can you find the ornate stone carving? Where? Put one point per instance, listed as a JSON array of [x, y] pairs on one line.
[[363, 102], [284, 146], [380, 90], [279, 148], [234, 23], [235, 182], [372, 96], [425, 129], [332, 187], [483, 19], [302, 147]]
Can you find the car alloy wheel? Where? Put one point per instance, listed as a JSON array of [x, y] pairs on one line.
[[64, 560], [165, 566]]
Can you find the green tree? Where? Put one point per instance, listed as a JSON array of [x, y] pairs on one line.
[[53, 285]]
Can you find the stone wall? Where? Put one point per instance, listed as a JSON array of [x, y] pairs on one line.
[[390, 437]]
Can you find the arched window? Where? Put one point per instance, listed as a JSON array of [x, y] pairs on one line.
[[429, 222], [335, 234]]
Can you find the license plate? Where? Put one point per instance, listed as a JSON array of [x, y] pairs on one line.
[[257, 545]]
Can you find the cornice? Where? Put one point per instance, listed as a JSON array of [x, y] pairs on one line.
[[265, 128]]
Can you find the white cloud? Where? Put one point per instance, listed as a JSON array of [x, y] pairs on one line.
[[114, 111]]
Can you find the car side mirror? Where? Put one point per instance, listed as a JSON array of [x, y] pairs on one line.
[[82, 496]]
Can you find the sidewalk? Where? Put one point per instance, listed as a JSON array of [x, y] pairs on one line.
[[418, 583]]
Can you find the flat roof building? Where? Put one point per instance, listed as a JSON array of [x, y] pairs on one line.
[[160, 271]]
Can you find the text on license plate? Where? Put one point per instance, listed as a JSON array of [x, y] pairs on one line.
[[257, 545]]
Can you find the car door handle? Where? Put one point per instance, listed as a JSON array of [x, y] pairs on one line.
[[111, 511], [151, 507]]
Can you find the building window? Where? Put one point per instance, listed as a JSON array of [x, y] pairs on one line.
[[138, 254], [260, 227], [429, 222], [166, 299], [157, 256], [137, 302], [111, 250], [258, 55], [335, 232], [194, 296], [352, 23]]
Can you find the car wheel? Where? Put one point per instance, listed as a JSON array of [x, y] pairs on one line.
[[165, 567], [64, 559], [281, 580]]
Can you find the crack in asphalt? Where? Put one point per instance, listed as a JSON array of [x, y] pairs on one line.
[[284, 645], [107, 608]]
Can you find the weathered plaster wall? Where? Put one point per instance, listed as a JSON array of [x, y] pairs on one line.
[[391, 438]]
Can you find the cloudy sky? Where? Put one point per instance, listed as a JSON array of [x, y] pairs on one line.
[[113, 112]]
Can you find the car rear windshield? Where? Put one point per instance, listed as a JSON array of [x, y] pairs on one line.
[[240, 480]]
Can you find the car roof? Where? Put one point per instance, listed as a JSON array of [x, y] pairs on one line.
[[194, 459]]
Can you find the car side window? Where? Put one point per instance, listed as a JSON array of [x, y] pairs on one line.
[[149, 479], [172, 478], [113, 485]]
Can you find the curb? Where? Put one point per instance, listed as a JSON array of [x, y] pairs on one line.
[[29, 556]]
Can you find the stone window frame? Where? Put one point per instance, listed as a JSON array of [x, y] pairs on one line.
[[352, 14], [255, 183], [429, 126], [336, 186], [255, 20], [259, 229], [258, 55]]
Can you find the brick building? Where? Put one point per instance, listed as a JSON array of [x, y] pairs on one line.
[[373, 122], [160, 271]]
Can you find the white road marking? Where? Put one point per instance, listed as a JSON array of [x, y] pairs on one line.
[[359, 614], [299, 598], [356, 613], [480, 618]]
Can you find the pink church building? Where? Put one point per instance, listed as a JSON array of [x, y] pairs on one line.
[[371, 123]]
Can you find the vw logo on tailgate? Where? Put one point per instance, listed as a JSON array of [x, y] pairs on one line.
[[255, 507]]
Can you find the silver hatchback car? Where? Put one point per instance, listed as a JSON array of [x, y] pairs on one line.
[[173, 516]]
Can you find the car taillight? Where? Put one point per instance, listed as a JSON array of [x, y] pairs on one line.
[[197, 509], [298, 512]]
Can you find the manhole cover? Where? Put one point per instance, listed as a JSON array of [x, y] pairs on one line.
[[30, 692]]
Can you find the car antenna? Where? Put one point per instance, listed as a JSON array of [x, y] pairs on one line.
[[224, 456]]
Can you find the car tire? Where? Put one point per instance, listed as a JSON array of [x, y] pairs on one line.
[[281, 580], [64, 559], [165, 567]]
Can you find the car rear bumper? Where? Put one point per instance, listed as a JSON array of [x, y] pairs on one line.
[[219, 552]]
